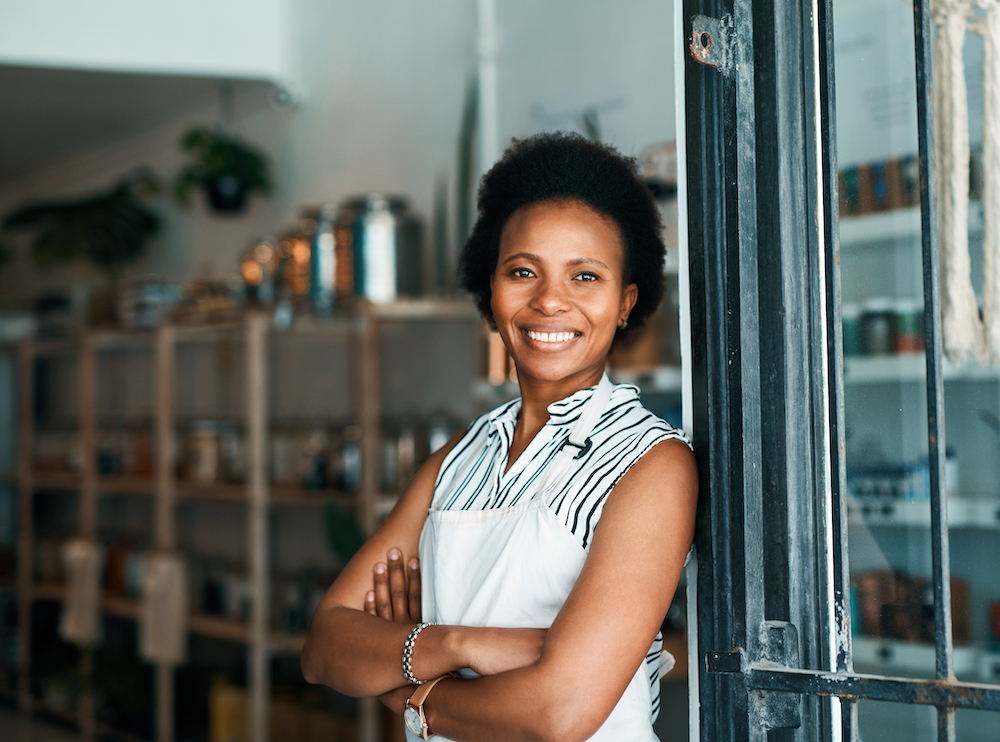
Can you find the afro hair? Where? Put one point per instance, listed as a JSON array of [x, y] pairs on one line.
[[557, 167]]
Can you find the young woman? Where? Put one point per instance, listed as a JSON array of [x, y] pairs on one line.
[[543, 544]]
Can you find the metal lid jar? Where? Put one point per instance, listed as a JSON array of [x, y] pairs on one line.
[[383, 240]]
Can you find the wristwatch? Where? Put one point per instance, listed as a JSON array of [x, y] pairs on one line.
[[414, 717]]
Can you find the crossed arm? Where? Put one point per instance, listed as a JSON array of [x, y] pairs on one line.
[[559, 684]]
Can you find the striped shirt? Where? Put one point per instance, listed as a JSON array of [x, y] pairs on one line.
[[472, 475]]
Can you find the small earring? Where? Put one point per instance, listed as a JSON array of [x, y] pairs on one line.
[[623, 325]]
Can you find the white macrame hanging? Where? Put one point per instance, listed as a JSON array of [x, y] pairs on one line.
[[990, 29], [963, 329]]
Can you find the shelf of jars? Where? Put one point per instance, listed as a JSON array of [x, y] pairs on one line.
[[303, 463], [885, 656], [886, 512], [894, 225], [212, 626], [909, 368]]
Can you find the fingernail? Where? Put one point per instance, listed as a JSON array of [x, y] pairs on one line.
[[394, 554], [370, 597], [414, 564], [379, 568]]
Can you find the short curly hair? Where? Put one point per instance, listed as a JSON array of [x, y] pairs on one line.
[[556, 167]]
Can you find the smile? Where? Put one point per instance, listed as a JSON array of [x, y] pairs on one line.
[[551, 337]]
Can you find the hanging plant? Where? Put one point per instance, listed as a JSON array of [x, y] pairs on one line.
[[226, 167], [110, 229]]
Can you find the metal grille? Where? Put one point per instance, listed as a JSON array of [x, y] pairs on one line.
[[772, 584]]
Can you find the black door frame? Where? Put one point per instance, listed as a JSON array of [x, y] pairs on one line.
[[772, 582]]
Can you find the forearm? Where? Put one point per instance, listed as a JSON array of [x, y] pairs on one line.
[[360, 655], [524, 704]]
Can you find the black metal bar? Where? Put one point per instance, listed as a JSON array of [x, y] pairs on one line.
[[719, 533], [748, 307], [941, 568], [852, 686], [834, 340]]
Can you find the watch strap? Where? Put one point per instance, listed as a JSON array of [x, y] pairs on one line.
[[420, 694]]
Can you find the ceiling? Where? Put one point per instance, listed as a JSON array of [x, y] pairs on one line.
[[47, 115]]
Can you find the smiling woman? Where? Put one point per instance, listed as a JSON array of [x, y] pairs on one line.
[[521, 619]]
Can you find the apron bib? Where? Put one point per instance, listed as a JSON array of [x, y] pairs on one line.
[[514, 567]]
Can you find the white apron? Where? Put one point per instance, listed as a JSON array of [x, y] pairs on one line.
[[514, 567]]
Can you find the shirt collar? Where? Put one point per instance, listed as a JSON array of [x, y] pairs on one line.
[[563, 413]]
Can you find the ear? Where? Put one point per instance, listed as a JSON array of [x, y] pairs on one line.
[[629, 297]]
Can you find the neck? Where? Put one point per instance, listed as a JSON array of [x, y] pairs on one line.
[[538, 394]]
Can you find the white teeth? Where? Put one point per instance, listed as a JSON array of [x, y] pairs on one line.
[[551, 337]]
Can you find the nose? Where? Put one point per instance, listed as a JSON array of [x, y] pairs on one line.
[[549, 297]]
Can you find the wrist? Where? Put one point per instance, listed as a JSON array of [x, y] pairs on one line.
[[462, 644]]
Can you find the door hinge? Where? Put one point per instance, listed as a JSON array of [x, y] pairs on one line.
[[712, 42], [779, 649]]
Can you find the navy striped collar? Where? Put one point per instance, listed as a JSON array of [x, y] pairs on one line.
[[563, 413]]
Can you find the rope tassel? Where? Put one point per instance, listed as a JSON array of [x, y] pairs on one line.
[[963, 330], [990, 29]]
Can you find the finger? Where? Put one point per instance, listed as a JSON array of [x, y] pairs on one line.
[[397, 585], [383, 607], [413, 590], [370, 602]]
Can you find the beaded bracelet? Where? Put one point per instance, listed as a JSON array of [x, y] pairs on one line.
[[408, 653]]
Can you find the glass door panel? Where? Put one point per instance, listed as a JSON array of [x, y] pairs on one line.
[[892, 595]]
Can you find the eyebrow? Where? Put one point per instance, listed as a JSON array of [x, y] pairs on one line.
[[537, 259]]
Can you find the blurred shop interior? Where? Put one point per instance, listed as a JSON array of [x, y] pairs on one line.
[[230, 330]]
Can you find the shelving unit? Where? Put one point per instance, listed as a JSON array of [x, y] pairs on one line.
[[895, 657], [962, 514], [894, 225], [257, 495], [885, 410]]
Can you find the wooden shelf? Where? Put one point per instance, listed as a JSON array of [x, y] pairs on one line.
[[216, 627], [429, 308], [910, 368], [278, 494], [895, 225], [54, 592], [283, 641], [962, 514], [898, 657], [56, 480], [126, 485]]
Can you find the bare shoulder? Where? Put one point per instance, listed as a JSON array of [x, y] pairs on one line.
[[658, 495], [667, 467]]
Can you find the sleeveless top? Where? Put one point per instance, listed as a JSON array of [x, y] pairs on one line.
[[472, 477]]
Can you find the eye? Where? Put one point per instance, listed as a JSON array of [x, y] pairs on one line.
[[587, 276], [521, 273]]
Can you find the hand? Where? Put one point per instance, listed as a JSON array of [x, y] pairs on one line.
[[396, 596]]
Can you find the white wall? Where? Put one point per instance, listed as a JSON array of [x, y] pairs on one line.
[[236, 38], [384, 82]]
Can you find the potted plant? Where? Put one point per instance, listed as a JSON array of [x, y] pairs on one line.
[[226, 167], [109, 229]]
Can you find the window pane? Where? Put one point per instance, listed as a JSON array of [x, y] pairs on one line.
[[884, 365], [880, 721], [884, 376]]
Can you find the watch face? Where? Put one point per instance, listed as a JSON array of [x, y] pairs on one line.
[[412, 718]]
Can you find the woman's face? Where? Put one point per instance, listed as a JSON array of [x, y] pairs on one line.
[[558, 290]]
